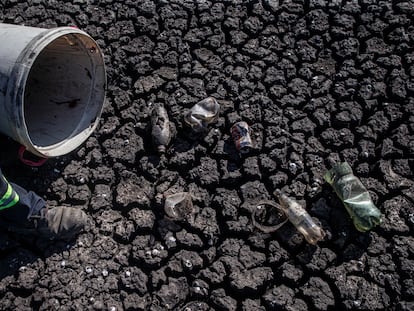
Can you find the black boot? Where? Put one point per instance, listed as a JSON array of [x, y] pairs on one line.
[[25, 213]]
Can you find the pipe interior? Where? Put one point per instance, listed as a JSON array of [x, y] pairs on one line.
[[59, 93]]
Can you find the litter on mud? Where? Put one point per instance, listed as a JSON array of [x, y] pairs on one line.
[[268, 216], [179, 206], [202, 114], [161, 133], [240, 132], [296, 214], [356, 198]]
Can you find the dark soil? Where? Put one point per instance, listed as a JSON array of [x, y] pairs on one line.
[[318, 81]]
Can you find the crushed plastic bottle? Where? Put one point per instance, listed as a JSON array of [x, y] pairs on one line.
[[161, 133], [300, 218], [356, 198], [179, 206], [240, 132], [202, 114]]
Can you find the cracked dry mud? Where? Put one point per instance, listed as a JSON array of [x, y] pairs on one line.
[[318, 81]]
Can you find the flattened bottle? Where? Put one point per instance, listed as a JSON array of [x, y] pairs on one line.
[[179, 206], [355, 197], [202, 114]]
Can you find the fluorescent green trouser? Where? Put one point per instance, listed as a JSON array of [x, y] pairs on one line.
[[8, 198], [16, 204]]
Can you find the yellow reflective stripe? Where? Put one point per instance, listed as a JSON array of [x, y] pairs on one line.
[[13, 202], [7, 195]]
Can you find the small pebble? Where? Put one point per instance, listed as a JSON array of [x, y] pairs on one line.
[[188, 263]]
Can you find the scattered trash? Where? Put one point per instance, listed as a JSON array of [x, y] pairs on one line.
[[300, 218], [240, 132], [161, 134], [202, 114], [293, 212], [262, 215], [364, 214], [178, 206]]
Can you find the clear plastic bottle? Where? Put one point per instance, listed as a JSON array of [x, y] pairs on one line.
[[202, 114], [298, 216], [160, 132], [179, 206]]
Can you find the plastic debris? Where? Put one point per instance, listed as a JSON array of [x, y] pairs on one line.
[[293, 212], [300, 218], [240, 132], [179, 206], [202, 114], [268, 219], [161, 133], [356, 198]]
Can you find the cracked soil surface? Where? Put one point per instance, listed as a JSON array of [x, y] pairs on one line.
[[318, 81]]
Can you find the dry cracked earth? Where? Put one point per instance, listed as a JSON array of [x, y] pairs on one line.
[[318, 81]]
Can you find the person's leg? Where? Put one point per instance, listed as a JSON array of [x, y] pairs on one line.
[[25, 212], [17, 204]]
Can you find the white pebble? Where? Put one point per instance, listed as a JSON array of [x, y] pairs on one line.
[[88, 269], [63, 263], [128, 273], [105, 272], [188, 263]]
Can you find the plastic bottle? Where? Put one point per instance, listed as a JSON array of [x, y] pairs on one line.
[[356, 198], [298, 216], [179, 206], [161, 134], [202, 114]]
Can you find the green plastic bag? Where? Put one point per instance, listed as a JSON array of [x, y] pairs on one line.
[[364, 214]]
